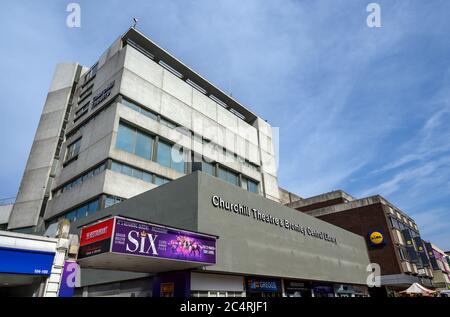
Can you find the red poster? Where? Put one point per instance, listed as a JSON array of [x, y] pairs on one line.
[[97, 232]]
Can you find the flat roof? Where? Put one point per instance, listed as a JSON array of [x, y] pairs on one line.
[[155, 52], [356, 204], [320, 198]]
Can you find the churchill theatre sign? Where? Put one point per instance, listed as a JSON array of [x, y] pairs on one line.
[[257, 215]]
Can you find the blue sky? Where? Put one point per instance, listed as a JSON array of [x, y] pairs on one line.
[[359, 109]]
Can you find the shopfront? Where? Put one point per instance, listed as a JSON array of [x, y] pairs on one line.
[[342, 290], [263, 287], [25, 264], [323, 290], [250, 245], [298, 289]]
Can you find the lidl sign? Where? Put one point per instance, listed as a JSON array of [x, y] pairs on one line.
[[376, 238]]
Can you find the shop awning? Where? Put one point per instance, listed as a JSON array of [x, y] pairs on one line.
[[123, 244], [418, 289]]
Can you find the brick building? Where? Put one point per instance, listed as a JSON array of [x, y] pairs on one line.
[[392, 237]]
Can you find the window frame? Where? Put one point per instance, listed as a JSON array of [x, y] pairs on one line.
[[70, 154]]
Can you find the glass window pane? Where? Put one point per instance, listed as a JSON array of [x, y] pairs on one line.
[[102, 167], [137, 173], [93, 206], [76, 147], [222, 174], [82, 212], [252, 187], [178, 161], [164, 154], [127, 170], [73, 149], [144, 145], [116, 167], [208, 168], [71, 216], [244, 183], [126, 138], [131, 105], [160, 180], [109, 201], [233, 178], [147, 177]]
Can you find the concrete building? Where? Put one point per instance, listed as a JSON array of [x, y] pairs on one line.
[[107, 133], [287, 196], [255, 246], [392, 237], [6, 206]]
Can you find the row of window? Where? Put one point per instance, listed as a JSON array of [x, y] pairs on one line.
[[229, 176], [138, 173], [116, 167], [132, 140], [168, 123], [74, 148], [83, 211], [150, 114], [91, 208], [401, 226], [84, 177]]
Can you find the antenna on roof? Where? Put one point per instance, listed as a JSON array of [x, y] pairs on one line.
[[229, 87], [135, 22]]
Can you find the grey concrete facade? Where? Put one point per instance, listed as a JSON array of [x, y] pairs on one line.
[[134, 69], [35, 187], [246, 246], [5, 213]]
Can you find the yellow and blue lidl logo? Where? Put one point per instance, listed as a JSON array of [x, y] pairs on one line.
[[376, 238]]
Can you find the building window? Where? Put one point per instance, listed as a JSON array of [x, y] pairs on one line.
[[126, 138], [84, 177], [112, 200], [395, 223], [165, 157], [161, 180], [139, 109], [208, 168], [403, 255], [228, 176], [138, 173], [134, 141], [144, 144], [73, 150], [250, 185], [83, 211]]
